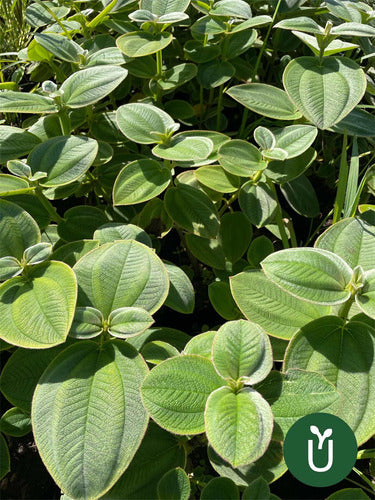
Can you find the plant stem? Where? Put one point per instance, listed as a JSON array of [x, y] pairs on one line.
[[279, 216], [345, 308], [228, 203], [48, 205], [98, 19], [159, 64], [343, 179], [262, 49], [219, 106], [364, 478]]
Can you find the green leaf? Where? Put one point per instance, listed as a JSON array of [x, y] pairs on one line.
[[265, 100], [353, 29], [65, 159], [174, 485], [265, 138], [71, 252], [139, 181], [121, 274], [200, 53], [344, 10], [289, 169], [37, 253], [181, 297], [37, 311], [137, 121], [343, 353], [242, 350], [220, 488], [171, 336], [158, 453], [257, 490], [161, 8], [113, 231], [266, 304], [90, 85], [207, 26], [87, 323], [295, 139], [192, 210], [215, 73], [270, 466], [22, 372], [208, 251], [80, 222], [183, 148], [60, 46], [9, 268], [201, 344], [231, 8], [353, 240], [235, 234], [302, 23], [10, 184], [295, 394], [19, 102], [301, 196], [140, 43], [338, 81], [38, 15], [15, 422], [177, 76], [358, 122], [109, 55], [4, 457], [128, 321], [349, 494], [258, 203], [216, 178], [156, 351], [365, 299], [222, 300], [240, 158], [317, 276], [15, 142], [175, 393], [335, 47], [259, 249], [238, 425], [72, 403]]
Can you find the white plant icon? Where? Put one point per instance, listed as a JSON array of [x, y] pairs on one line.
[[321, 437]]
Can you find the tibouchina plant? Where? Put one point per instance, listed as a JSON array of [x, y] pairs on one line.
[[187, 243]]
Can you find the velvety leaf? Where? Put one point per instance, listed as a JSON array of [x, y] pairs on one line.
[[295, 139], [156, 351], [87, 323], [366, 297], [75, 396], [201, 344], [60, 46], [37, 253], [174, 485], [208, 251], [121, 274], [317, 276], [265, 138], [161, 8], [37, 311], [265, 100], [238, 425], [183, 149], [71, 252], [128, 321], [301, 196], [15, 422], [358, 122], [9, 268], [181, 296], [240, 158], [242, 350], [324, 91], [177, 76], [220, 488], [113, 231], [80, 222], [263, 302], [175, 393], [216, 178], [289, 169], [302, 23], [15, 142], [21, 102], [222, 300], [10, 184], [140, 43], [258, 203], [230, 8], [215, 73], [235, 234]]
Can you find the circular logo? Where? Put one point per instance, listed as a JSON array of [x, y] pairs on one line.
[[320, 449]]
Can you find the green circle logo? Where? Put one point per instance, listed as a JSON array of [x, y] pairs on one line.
[[320, 449]]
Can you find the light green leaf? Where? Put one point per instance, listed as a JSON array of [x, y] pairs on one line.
[[121, 274], [240, 158], [71, 252], [358, 122], [19, 168], [83, 449], [301, 196], [216, 178], [159, 452], [208, 251], [37, 253], [238, 425], [15, 422], [80, 222], [139, 181], [177, 76], [90, 85], [365, 299], [174, 337], [258, 490], [181, 296], [349, 494], [15, 142], [182, 148], [324, 91], [140, 43], [156, 351], [87, 323], [258, 203], [108, 55], [295, 394], [192, 210], [265, 100], [344, 10], [231, 8], [65, 159], [220, 488], [174, 485], [113, 231], [10, 184], [18, 230], [60, 46], [317, 276], [343, 353], [353, 29], [290, 169], [137, 121], [161, 8], [295, 139], [265, 138], [353, 240], [242, 350], [9, 268], [222, 300], [19, 102], [302, 23], [38, 15], [266, 304], [128, 321], [201, 344], [215, 73], [334, 47], [37, 311], [175, 393]]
